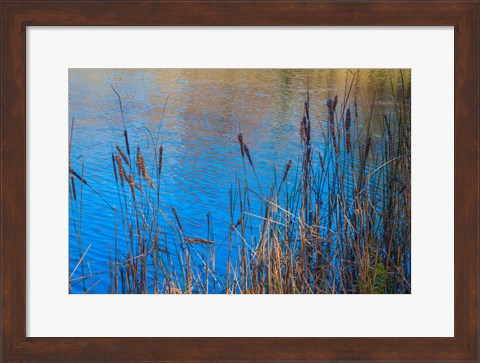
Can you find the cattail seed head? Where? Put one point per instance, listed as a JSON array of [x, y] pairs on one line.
[[74, 192], [331, 122], [124, 157], [240, 140], [131, 182], [160, 159], [114, 167], [303, 130], [247, 152], [121, 169], [348, 119], [142, 169], [335, 100], [287, 169], [367, 146], [125, 134]]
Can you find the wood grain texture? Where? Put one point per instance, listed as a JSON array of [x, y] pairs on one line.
[[17, 15]]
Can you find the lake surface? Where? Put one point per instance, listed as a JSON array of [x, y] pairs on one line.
[[196, 115]]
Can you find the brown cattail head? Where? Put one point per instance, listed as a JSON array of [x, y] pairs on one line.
[[334, 105], [321, 160], [331, 122], [124, 157], [146, 176], [160, 159], [131, 182], [348, 120], [240, 140], [121, 169], [199, 241], [287, 169], [139, 160], [114, 167], [125, 134], [240, 220], [367, 146], [74, 191], [307, 106], [247, 152], [303, 130], [330, 106], [142, 169], [174, 211], [76, 175]]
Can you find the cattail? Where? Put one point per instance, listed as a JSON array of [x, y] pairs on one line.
[[74, 192], [78, 176], [199, 241], [240, 140], [305, 126], [240, 220], [123, 155], [247, 152], [307, 107], [321, 161], [145, 175], [142, 169], [174, 211], [139, 158], [348, 120], [367, 146], [303, 130], [287, 168], [121, 169], [160, 159], [125, 134], [332, 123], [131, 182], [347, 128], [114, 168], [335, 100]]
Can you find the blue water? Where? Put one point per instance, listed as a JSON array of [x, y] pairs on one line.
[[196, 116]]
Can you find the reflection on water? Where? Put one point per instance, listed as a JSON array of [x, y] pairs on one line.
[[196, 114]]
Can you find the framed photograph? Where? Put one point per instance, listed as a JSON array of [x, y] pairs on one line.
[[240, 181]]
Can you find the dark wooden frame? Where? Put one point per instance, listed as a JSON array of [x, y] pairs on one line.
[[16, 16]]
